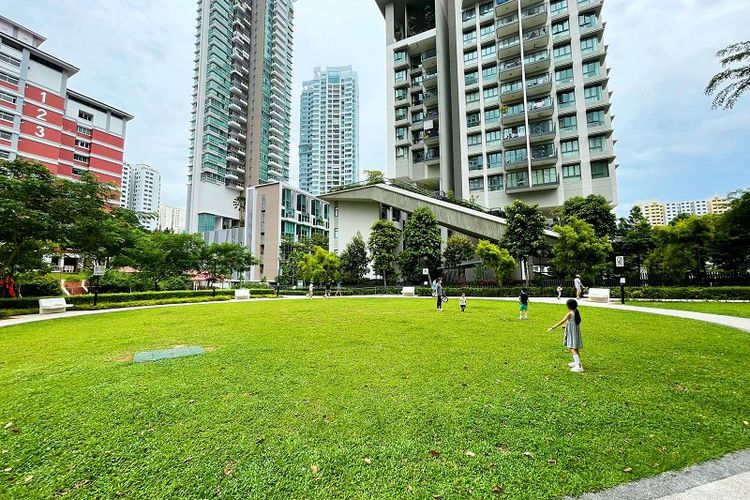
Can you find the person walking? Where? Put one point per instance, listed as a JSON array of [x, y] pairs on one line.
[[310, 290], [523, 305], [572, 339], [328, 290], [559, 292], [338, 289], [579, 286], [462, 302], [439, 294]]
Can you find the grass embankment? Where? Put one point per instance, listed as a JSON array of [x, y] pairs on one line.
[[362, 398]]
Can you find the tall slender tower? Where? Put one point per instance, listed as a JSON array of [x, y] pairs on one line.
[[329, 130], [241, 106]]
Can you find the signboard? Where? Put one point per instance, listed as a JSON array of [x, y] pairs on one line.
[[622, 281], [425, 271], [620, 261], [99, 270]]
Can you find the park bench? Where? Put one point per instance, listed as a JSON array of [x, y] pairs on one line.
[[408, 291], [599, 295], [54, 305], [242, 294]]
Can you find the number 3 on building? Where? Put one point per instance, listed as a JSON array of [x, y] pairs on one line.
[[39, 131]]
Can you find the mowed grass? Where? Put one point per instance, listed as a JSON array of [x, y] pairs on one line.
[[362, 398], [738, 309]]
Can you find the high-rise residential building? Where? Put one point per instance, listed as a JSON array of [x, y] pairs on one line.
[[329, 130], [500, 100], [718, 205], [654, 213], [171, 219], [42, 119], [659, 214], [241, 106], [141, 191], [675, 208]]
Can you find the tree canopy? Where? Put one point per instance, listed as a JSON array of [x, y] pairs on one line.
[[496, 258], [383, 242], [458, 249], [579, 250], [422, 246], [524, 236], [595, 210], [355, 263]]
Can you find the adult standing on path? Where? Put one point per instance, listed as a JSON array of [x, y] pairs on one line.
[[310, 289], [579, 286], [439, 293]]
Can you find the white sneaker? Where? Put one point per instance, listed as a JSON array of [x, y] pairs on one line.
[[577, 369], [572, 364]]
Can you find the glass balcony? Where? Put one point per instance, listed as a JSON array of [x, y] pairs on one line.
[[507, 25], [513, 136], [522, 184], [534, 16], [537, 61], [541, 107], [513, 114], [543, 154], [431, 136], [429, 80], [536, 38], [430, 97], [510, 69], [432, 156], [505, 7], [539, 131], [429, 59], [538, 85]]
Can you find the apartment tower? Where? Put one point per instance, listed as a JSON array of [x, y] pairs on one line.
[[329, 130], [528, 90], [241, 106], [141, 192]]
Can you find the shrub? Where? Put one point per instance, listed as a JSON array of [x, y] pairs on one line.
[[175, 283], [39, 286]]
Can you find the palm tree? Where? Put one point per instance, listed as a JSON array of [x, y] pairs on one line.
[[239, 205], [737, 78]]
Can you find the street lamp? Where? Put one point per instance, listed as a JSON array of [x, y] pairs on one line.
[[98, 272]]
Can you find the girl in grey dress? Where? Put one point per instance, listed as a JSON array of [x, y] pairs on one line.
[[573, 340]]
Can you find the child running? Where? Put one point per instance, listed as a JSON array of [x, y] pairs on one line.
[[573, 340], [559, 292], [462, 302], [523, 305]]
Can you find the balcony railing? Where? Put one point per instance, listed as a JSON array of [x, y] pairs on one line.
[[430, 54], [512, 64], [432, 154], [533, 11], [543, 152], [536, 33], [537, 57]]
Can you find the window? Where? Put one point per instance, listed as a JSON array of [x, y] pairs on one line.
[[494, 137], [81, 158], [472, 97], [569, 148], [485, 8], [7, 97], [8, 78], [591, 69], [597, 144], [400, 133], [566, 99], [569, 123], [470, 57], [593, 94], [5, 135], [469, 14], [6, 116], [400, 76], [564, 75], [492, 115], [587, 21], [476, 184], [544, 176], [589, 45], [475, 162], [5, 155], [518, 179], [470, 36], [471, 78], [400, 94], [494, 160], [10, 60], [489, 73], [487, 30], [490, 93], [475, 140], [83, 130], [495, 182], [473, 119], [401, 113], [571, 171], [401, 151], [83, 144], [417, 117], [515, 156], [599, 169], [562, 53], [561, 29], [489, 50], [595, 118], [83, 115], [335, 233], [399, 57], [558, 6], [336, 211]]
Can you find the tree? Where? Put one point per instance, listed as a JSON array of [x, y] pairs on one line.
[[31, 211], [290, 254], [159, 256], [384, 240], [579, 250], [458, 249], [239, 204], [318, 240], [595, 210], [375, 177], [221, 260], [735, 60], [354, 261], [524, 235], [320, 267], [496, 258], [422, 246], [682, 247], [634, 239], [732, 239]]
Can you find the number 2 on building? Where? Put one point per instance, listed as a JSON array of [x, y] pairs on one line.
[[40, 114]]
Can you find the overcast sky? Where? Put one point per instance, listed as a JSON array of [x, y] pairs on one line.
[[138, 55]]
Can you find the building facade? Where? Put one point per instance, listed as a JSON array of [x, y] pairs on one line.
[[279, 211], [500, 100], [329, 130], [43, 120], [660, 214], [171, 219], [141, 192], [654, 213], [241, 106]]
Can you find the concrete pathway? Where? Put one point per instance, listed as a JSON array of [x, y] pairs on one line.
[[725, 479]]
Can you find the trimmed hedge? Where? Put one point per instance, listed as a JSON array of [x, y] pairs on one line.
[[39, 286], [687, 293]]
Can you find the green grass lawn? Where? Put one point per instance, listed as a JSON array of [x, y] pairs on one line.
[[362, 398], [739, 309]]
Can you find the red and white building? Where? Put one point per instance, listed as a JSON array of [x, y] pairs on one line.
[[42, 119]]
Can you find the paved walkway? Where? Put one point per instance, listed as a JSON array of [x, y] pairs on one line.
[[725, 479]]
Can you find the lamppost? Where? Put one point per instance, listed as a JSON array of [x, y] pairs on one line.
[[98, 272]]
